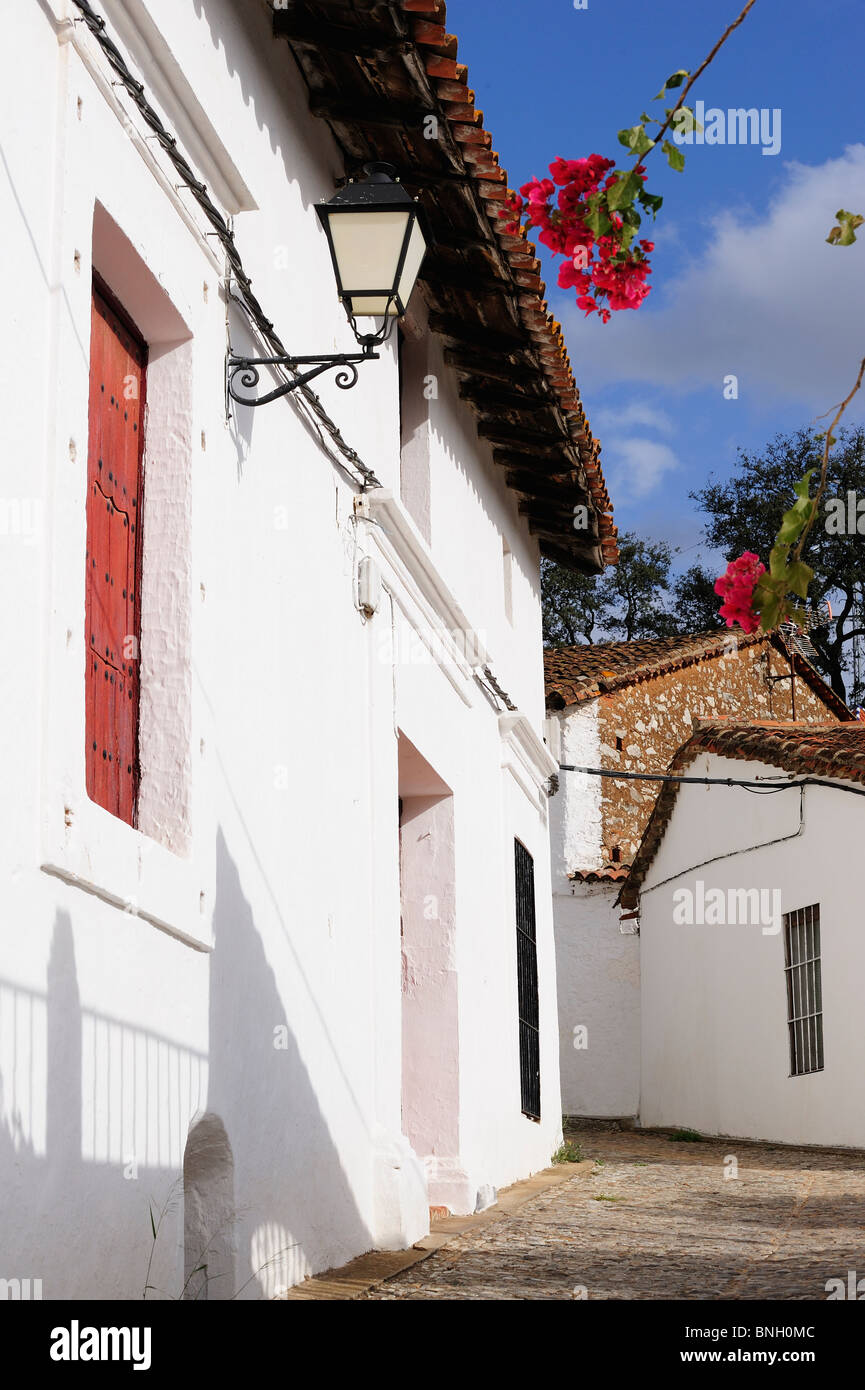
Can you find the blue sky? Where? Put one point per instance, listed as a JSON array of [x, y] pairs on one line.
[[743, 282]]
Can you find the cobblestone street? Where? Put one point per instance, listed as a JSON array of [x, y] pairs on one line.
[[658, 1219]]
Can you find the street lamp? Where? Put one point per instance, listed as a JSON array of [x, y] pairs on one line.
[[377, 240]]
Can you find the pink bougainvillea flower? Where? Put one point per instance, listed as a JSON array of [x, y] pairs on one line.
[[736, 586], [605, 279]]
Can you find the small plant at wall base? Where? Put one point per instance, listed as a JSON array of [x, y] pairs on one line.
[[568, 1152], [686, 1136], [195, 1289]]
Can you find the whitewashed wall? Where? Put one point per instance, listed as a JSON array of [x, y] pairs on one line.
[[598, 980], [575, 813], [242, 959], [597, 966], [715, 1052]]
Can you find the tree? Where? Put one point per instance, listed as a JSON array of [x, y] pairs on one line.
[[695, 601], [744, 513], [628, 601], [570, 604]]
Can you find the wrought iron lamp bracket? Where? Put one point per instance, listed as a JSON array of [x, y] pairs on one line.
[[247, 370]]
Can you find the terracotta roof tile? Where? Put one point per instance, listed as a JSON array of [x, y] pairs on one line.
[[547, 330], [612, 873], [575, 674], [805, 750], [482, 283]]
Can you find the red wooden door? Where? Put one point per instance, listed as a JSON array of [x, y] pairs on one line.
[[118, 360]]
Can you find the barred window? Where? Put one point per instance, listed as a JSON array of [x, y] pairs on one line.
[[527, 983], [804, 989]]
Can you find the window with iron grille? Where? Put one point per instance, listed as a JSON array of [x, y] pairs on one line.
[[527, 983], [804, 989]]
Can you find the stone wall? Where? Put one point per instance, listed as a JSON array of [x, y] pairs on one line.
[[642, 725]]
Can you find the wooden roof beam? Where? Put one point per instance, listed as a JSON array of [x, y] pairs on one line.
[[299, 27]]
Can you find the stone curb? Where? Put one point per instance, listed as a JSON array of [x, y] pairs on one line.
[[376, 1267]]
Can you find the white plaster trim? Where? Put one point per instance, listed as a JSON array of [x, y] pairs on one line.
[[159, 886], [87, 49], [409, 558], [526, 753], [421, 587], [148, 52], [452, 670]]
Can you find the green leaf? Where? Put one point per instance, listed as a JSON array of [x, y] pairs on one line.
[[597, 219], [629, 136], [650, 200], [626, 236], [845, 233], [675, 81], [624, 190], [802, 489], [793, 523], [684, 119], [768, 603], [635, 139], [778, 560], [152, 1223], [675, 158], [799, 576]]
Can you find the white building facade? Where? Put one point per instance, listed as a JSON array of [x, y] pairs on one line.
[[752, 953], [627, 707], [597, 954], [279, 1012]]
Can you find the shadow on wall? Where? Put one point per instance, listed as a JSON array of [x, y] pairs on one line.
[[284, 99], [288, 1174], [208, 1212], [93, 1117], [78, 1223]]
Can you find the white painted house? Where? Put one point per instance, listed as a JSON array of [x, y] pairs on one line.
[[625, 708], [753, 955], [260, 925]]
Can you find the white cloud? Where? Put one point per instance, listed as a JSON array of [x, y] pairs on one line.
[[639, 464], [639, 413], [766, 299]]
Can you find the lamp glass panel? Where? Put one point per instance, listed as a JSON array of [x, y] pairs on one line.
[[412, 264], [367, 247]]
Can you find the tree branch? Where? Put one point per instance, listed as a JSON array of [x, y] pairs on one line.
[[821, 487], [701, 69]]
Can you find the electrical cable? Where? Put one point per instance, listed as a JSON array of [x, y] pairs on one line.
[[764, 788], [731, 854]]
